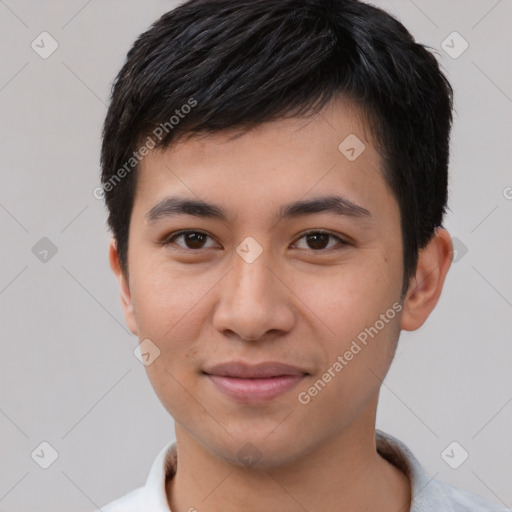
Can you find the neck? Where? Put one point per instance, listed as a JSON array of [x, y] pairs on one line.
[[343, 473]]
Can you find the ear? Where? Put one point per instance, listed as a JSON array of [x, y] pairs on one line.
[[126, 297], [426, 285]]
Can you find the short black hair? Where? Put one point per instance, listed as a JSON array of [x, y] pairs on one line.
[[214, 65]]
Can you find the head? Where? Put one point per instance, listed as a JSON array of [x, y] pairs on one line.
[[260, 109]]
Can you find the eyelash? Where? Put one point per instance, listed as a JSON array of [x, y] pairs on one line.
[[171, 239]]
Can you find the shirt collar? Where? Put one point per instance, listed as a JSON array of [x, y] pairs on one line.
[[154, 496], [425, 494]]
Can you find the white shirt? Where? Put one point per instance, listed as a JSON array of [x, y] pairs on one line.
[[428, 495]]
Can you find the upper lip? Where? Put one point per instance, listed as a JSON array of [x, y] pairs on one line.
[[242, 370]]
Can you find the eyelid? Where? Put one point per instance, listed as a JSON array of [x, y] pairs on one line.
[[341, 241], [169, 239]]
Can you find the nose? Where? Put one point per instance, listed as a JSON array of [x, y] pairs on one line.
[[254, 301]]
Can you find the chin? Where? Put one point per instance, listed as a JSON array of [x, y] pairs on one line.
[[254, 451]]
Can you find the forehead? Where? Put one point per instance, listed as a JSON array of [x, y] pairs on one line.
[[274, 162]]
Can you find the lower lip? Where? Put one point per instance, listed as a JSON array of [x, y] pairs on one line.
[[255, 390]]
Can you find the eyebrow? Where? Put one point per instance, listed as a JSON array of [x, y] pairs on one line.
[[174, 206]]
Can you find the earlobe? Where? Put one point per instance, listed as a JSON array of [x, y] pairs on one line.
[[426, 285], [126, 297]]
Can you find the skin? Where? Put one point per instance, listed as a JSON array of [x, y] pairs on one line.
[[294, 304]]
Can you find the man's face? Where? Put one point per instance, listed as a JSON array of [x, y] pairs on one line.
[[260, 284]]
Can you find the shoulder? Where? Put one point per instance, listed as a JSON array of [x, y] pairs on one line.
[[454, 499], [150, 497], [429, 494], [129, 502]]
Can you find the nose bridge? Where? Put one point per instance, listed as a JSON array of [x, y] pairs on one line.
[[252, 284], [252, 301]]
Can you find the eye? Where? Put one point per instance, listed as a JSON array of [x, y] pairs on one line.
[[319, 240], [190, 240]]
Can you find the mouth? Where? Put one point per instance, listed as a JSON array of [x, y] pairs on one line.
[[247, 383]]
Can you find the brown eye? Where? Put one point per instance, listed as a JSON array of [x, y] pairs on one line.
[[194, 240], [190, 240], [319, 240]]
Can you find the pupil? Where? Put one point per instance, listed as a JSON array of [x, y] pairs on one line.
[[318, 241], [195, 240]]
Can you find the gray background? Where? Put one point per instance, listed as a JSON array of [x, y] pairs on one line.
[[67, 372]]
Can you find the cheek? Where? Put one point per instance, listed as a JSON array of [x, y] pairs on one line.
[[357, 307], [356, 361], [166, 301], [348, 297], [170, 310]]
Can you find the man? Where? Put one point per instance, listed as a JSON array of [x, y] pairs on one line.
[[276, 179]]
